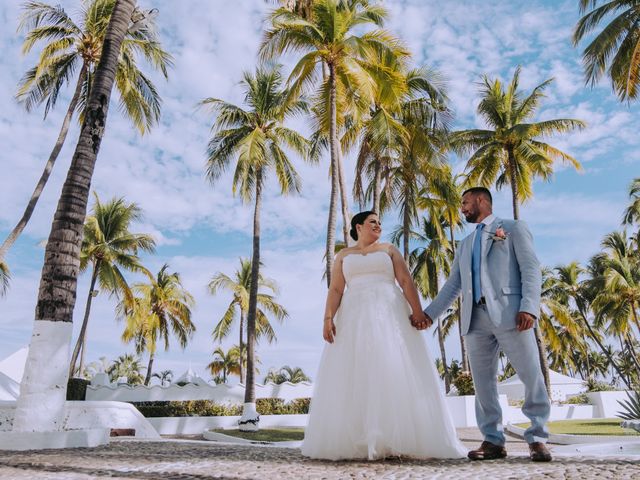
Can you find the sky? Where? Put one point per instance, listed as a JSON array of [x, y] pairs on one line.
[[201, 229]]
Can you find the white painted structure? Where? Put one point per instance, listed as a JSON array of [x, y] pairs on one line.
[[43, 389], [190, 377], [13, 365], [218, 393], [606, 404], [196, 425], [79, 415], [9, 388], [562, 386]]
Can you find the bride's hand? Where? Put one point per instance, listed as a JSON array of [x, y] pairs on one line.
[[420, 320], [329, 331]]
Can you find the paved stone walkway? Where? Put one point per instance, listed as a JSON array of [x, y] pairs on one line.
[[199, 460]]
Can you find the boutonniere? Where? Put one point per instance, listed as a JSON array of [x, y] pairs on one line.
[[499, 234]]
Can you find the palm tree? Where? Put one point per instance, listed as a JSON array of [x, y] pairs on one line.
[[57, 293], [403, 133], [108, 246], [568, 287], [441, 191], [510, 152], [618, 299], [5, 277], [286, 374], [240, 286], [74, 48], [558, 325], [616, 49], [159, 307], [225, 364], [428, 263], [331, 39], [256, 138], [164, 376], [128, 366], [380, 132], [632, 212]]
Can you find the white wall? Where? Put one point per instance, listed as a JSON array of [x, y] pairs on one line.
[[219, 393], [606, 403], [91, 415], [196, 425]]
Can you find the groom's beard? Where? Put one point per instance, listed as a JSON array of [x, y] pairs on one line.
[[472, 217]]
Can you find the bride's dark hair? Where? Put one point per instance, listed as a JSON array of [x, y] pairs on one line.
[[358, 219]]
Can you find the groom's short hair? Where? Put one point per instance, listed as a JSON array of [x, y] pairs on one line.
[[480, 191]]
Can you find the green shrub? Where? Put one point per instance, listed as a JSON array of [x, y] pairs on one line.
[[596, 386], [189, 408], [516, 403], [300, 405], [271, 406], [209, 408], [464, 384], [581, 399]]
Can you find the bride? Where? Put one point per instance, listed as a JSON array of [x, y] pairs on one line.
[[377, 392]]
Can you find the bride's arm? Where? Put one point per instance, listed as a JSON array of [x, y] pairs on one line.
[[334, 296], [403, 276]]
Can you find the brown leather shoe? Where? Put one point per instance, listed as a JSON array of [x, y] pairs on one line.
[[538, 452], [487, 451]]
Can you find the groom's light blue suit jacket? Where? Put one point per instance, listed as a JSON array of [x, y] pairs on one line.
[[511, 276]]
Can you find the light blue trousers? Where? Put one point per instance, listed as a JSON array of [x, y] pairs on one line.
[[484, 341]]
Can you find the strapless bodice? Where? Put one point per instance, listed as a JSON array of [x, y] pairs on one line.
[[366, 269]]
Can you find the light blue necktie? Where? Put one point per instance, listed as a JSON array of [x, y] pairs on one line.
[[475, 263]]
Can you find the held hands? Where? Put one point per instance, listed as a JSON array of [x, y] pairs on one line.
[[524, 321], [420, 320], [329, 330]]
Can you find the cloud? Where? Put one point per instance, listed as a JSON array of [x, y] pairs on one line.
[[201, 228]]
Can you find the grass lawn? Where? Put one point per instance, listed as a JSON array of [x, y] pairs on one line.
[[267, 434], [598, 426]]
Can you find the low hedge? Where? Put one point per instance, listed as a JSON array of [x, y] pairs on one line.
[[209, 408]]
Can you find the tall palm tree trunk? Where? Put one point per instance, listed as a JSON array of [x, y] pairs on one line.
[[443, 352], [634, 313], [406, 230], [463, 348], [152, 357], [542, 350], [40, 406], [632, 350], [542, 356], [514, 184], [604, 350], [377, 185], [241, 346], [44, 177], [250, 418], [344, 202], [333, 200], [80, 343]]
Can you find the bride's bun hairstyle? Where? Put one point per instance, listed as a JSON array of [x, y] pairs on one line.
[[358, 219]]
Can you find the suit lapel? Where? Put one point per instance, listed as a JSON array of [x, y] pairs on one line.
[[466, 248], [488, 231]]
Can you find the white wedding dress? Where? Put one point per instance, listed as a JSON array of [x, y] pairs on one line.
[[377, 392]]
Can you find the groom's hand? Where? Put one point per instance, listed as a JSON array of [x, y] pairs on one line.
[[524, 321], [420, 320]]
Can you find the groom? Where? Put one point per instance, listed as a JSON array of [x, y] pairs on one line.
[[498, 275]]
